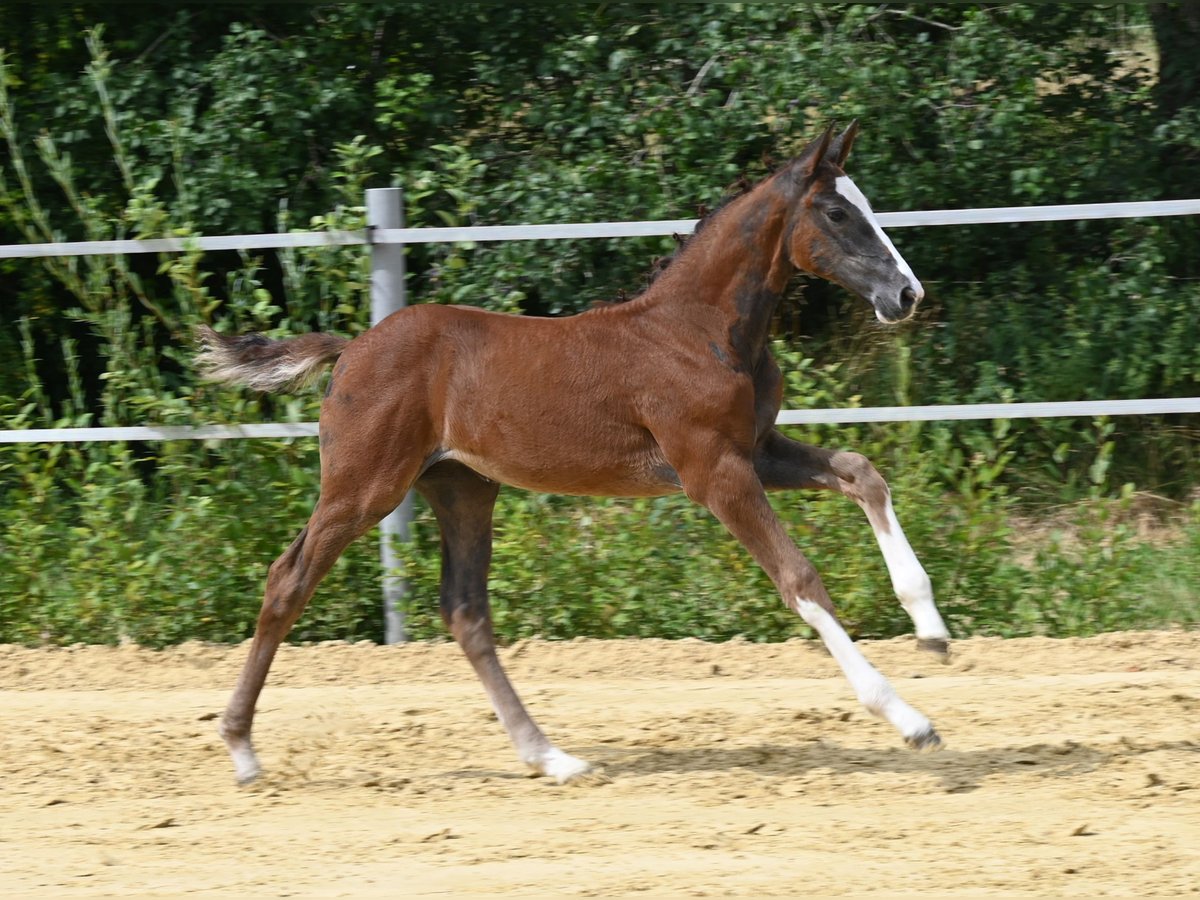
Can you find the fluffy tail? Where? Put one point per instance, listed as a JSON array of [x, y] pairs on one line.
[[264, 364]]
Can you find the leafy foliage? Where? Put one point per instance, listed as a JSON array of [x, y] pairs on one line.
[[227, 119]]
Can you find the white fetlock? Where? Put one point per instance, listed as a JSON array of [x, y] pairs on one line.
[[245, 761], [245, 765]]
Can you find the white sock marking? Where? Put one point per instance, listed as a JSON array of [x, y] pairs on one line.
[[909, 580], [872, 689], [848, 189]]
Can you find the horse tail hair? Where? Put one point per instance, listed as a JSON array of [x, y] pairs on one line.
[[264, 364]]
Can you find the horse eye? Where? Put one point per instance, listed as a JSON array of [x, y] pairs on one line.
[[837, 214]]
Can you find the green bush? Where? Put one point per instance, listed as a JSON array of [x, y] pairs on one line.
[[615, 112]]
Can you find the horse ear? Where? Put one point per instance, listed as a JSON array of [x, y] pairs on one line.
[[839, 147], [811, 158]]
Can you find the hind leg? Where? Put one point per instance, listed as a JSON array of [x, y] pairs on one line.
[[786, 464], [354, 497], [463, 503]]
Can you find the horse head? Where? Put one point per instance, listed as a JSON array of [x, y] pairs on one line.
[[835, 235]]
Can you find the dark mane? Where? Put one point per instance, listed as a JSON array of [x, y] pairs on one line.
[[744, 185], [740, 188]]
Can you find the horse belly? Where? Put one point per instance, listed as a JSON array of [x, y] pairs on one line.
[[584, 477]]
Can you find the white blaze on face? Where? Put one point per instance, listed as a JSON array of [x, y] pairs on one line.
[[848, 189]]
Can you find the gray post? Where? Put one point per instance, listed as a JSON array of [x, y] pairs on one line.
[[385, 209]]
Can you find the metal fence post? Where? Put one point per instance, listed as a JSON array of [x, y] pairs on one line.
[[385, 209]]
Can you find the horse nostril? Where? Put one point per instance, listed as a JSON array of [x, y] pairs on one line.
[[908, 299]]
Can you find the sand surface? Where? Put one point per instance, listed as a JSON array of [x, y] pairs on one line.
[[1071, 768]]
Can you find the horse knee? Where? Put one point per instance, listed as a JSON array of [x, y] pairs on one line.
[[853, 466], [285, 594], [282, 605], [860, 479], [471, 628], [805, 585], [465, 613]]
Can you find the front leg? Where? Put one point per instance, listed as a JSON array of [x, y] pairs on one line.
[[784, 464], [727, 484]]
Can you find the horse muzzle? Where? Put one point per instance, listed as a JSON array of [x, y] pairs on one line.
[[891, 310]]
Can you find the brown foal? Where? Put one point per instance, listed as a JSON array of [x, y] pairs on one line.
[[674, 390]]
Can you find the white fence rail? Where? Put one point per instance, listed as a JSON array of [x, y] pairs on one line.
[[841, 416], [393, 236], [294, 239]]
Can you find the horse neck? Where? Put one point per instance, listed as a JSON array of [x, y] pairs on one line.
[[737, 265]]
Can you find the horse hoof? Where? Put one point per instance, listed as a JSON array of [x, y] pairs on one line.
[[924, 740], [939, 647], [245, 763], [562, 767], [588, 778]]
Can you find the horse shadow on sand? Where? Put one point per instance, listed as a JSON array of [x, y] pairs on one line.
[[956, 771]]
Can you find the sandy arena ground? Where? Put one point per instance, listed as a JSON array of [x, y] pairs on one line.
[[1070, 768]]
